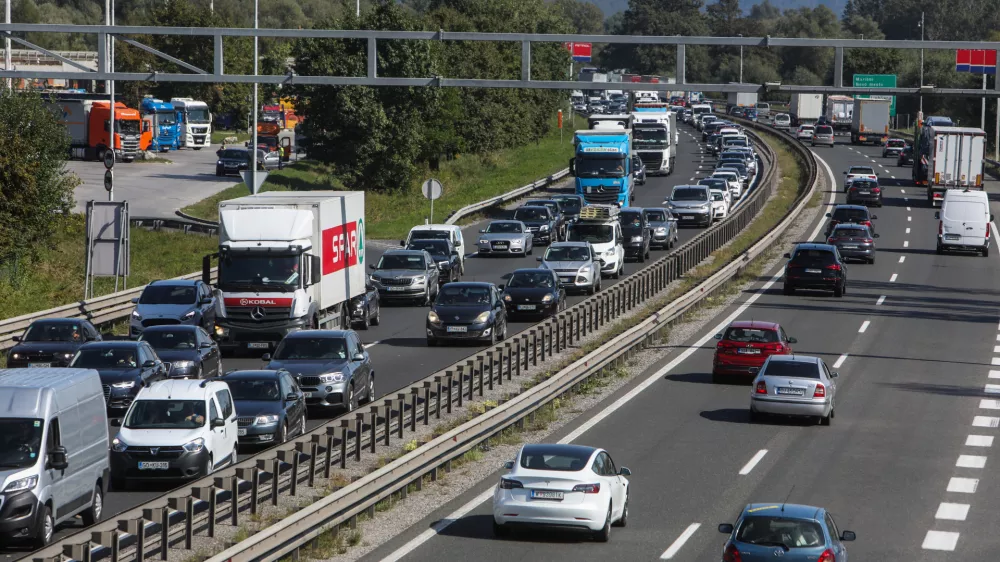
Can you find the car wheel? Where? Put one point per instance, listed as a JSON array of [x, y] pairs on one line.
[[648, 248], [592, 288], [755, 416], [871, 260], [493, 334], [209, 466], [604, 535], [427, 297], [499, 530], [366, 322], [826, 419], [623, 520], [986, 251], [378, 315], [370, 393], [838, 291], [46, 528], [621, 270], [641, 258], [350, 398], [788, 289], [93, 514], [940, 249], [531, 250]]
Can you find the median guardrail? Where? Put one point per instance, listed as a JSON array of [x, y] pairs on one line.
[[502, 200], [174, 517]]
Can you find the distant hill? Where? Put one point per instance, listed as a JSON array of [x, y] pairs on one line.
[[614, 6]]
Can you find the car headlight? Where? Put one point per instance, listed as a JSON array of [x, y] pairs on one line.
[[420, 279], [484, 241], [517, 242], [182, 364], [118, 446], [637, 238], [22, 484], [507, 298], [268, 419], [219, 163], [661, 230], [433, 318], [586, 269], [376, 279], [195, 446], [136, 315], [189, 315], [124, 384], [547, 298], [332, 377], [444, 264], [610, 253], [482, 318], [544, 228], [15, 356]]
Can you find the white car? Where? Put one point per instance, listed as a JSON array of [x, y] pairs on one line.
[[733, 179], [805, 132], [720, 203], [563, 486], [859, 172]]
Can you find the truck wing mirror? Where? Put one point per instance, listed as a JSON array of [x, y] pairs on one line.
[[206, 268], [572, 166], [57, 458], [315, 270]]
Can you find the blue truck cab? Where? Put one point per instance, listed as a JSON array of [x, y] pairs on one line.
[[161, 119], [603, 166]]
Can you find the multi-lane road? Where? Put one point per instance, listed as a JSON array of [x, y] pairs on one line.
[[906, 463]]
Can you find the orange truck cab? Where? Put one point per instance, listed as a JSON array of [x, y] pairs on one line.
[[270, 135], [87, 123]]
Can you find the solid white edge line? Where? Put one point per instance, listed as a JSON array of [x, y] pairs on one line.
[[880, 301], [864, 326], [420, 539], [749, 466], [679, 543], [840, 361]]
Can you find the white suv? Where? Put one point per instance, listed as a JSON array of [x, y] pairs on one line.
[[175, 430]]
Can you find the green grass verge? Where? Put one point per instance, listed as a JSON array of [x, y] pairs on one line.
[[56, 278], [218, 136], [466, 180]]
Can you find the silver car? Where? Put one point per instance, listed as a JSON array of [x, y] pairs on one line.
[[663, 225], [692, 204], [823, 134], [505, 238], [576, 264], [793, 385], [406, 275]]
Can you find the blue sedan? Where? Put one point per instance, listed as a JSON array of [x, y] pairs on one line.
[[792, 532]]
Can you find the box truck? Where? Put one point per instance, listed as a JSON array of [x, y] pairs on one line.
[[603, 166], [947, 157], [287, 261], [741, 99], [86, 120], [840, 111], [870, 121], [807, 108]]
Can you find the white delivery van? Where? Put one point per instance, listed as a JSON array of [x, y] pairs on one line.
[[964, 222], [53, 451]]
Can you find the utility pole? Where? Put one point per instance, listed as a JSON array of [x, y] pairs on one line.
[[6, 47], [253, 132], [921, 63], [110, 84], [741, 61], [982, 118]]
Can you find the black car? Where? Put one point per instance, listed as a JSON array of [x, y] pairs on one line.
[[331, 366], [635, 233], [893, 147], [467, 311], [864, 192], [270, 406], [540, 222], [663, 227], [444, 254], [815, 266], [531, 292], [639, 170], [857, 214], [853, 241], [570, 205], [562, 222], [51, 342], [190, 351], [905, 157], [124, 366], [232, 161], [366, 308]]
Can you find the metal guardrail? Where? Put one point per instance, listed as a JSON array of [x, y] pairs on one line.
[[174, 517], [506, 197]]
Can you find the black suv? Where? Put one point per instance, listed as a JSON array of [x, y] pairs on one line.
[[864, 192], [444, 254], [856, 214], [636, 233], [815, 266], [562, 221]]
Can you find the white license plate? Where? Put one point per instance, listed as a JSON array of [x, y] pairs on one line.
[[946, 237], [526, 307], [458, 329], [149, 465], [688, 218], [850, 246], [748, 351], [500, 246], [546, 495], [390, 289], [258, 345], [39, 365], [792, 391], [864, 193], [814, 271], [241, 432], [308, 394]]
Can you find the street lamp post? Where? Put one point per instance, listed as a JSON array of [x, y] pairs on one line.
[[921, 62], [741, 61], [6, 46], [253, 145]]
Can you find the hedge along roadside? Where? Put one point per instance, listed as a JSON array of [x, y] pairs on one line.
[[301, 528], [177, 514]]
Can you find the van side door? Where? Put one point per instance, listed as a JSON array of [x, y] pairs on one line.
[[229, 431], [61, 490]]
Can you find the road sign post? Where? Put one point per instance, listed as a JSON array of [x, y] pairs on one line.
[[432, 190], [249, 178], [876, 81], [109, 159], [109, 184]]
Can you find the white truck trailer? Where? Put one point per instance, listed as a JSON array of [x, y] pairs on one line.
[[840, 110], [807, 108], [287, 261], [870, 121], [947, 157], [655, 137]]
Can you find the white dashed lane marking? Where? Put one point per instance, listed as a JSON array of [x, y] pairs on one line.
[[979, 441]]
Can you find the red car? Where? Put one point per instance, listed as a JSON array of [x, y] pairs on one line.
[[746, 344]]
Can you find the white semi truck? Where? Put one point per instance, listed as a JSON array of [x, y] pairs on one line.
[[194, 121], [946, 157], [807, 108], [287, 261], [655, 137]]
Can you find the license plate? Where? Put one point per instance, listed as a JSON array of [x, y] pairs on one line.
[[792, 391], [458, 328], [39, 365], [687, 218], [500, 246], [258, 345], [308, 394], [546, 495], [864, 193], [148, 465], [850, 246], [526, 307], [748, 351], [241, 432], [946, 237], [390, 289], [814, 271]]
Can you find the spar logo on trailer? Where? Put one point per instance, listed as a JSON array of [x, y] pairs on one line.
[[343, 246]]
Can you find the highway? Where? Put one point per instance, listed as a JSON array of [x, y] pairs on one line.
[[903, 465], [398, 346]]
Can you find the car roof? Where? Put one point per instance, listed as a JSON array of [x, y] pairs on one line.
[[631, 209], [252, 374], [61, 321], [815, 246], [570, 244], [854, 207], [448, 227], [403, 251], [331, 334], [434, 240], [531, 207], [460, 284], [794, 359], [847, 225], [860, 168], [537, 202], [111, 344], [175, 282], [179, 389], [654, 209], [171, 328], [533, 270], [690, 186], [506, 221], [558, 448], [754, 324], [793, 510]]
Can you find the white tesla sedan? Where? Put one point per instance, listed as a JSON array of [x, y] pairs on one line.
[[569, 486]]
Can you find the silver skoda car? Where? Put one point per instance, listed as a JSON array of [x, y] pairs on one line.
[[576, 264], [505, 237], [793, 385]]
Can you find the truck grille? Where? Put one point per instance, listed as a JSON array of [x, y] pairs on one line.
[[603, 195], [651, 159], [130, 145], [162, 453], [245, 421], [199, 130], [271, 314], [397, 281]]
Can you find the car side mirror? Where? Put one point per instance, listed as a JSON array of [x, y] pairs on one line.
[[718, 336], [509, 465], [991, 218], [401, 243], [874, 217], [218, 422], [845, 172], [787, 255], [848, 536], [876, 235], [500, 287], [726, 528], [624, 471], [115, 422], [57, 458], [135, 300], [572, 166], [358, 357], [18, 338], [371, 266], [265, 357], [149, 363], [829, 215], [315, 269], [937, 215], [291, 397], [206, 344], [454, 252], [482, 231], [793, 340], [754, 370], [539, 258]]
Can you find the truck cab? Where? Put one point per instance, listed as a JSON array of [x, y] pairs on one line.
[[655, 137], [599, 226], [162, 121], [194, 122], [603, 166]]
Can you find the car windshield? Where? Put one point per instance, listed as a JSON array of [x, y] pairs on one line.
[[504, 228], [166, 414], [780, 531], [168, 294], [21, 443], [593, 233], [860, 171], [437, 247], [563, 460], [689, 195], [853, 232], [716, 183], [234, 154], [258, 390], [530, 214], [592, 167], [863, 184], [552, 205], [430, 235], [468, 295], [105, 358], [656, 216], [813, 257], [850, 215], [570, 204], [751, 335], [311, 349], [631, 219], [170, 339], [251, 269], [893, 143], [534, 279], [718, 196], [567, 253], [402, 261], [53, 331]]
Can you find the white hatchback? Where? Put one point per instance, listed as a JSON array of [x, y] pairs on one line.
[[564, 486]]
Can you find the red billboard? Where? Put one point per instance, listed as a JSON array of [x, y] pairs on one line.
[[579, 51]]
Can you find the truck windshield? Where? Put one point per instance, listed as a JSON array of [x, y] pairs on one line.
[[244, 271], [127, 127], [166, 414], [593, 233], [166, 117], [22, 442], [600, 167], [198, 115], [644, 138]]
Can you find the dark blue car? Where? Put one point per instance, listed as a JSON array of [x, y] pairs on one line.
[[125, 367], [190, 351], [270, 406], [787, 532], [51, 342]]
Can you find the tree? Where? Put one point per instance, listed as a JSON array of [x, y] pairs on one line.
[[34, 185], [585, 17]]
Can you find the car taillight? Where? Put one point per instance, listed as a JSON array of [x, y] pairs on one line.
[[774, 348], [869, 241], [732, 554], [987, 231], [830, 240], [587, 488], [876, 190], [867, 223], [508, 484], [761, 388], [827, 556], [834, 267], [725, 347], [820, 391]]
